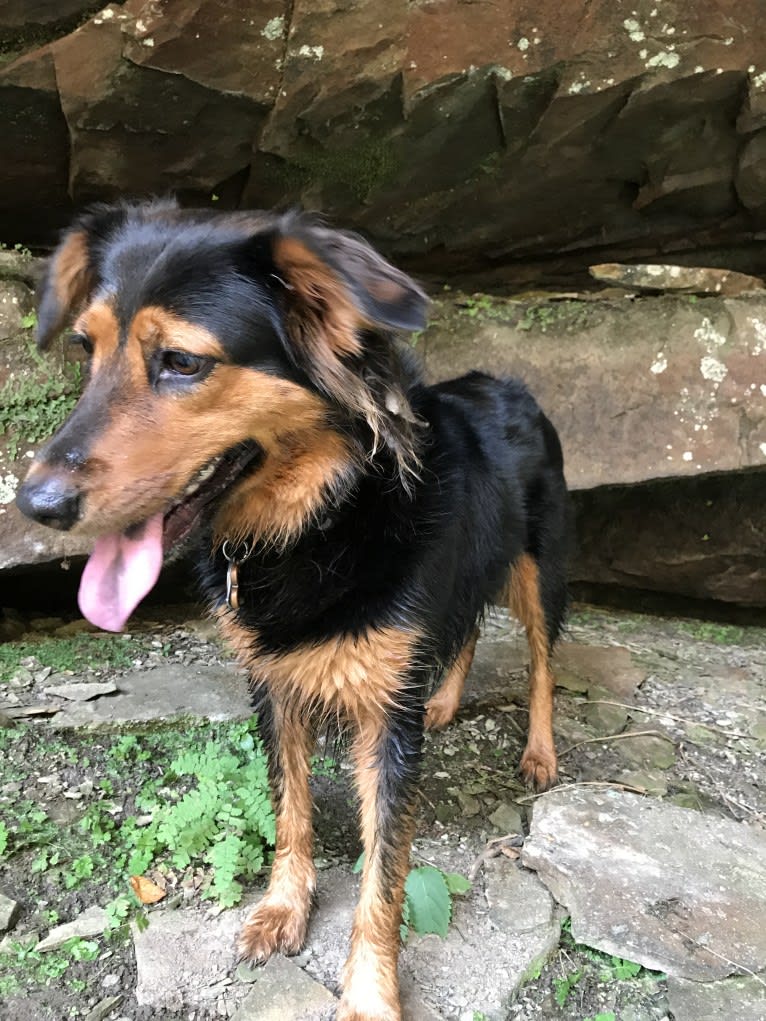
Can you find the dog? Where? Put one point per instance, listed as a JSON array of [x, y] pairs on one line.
[[248, 395]]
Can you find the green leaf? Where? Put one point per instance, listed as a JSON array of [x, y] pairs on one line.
[[358, 864], [429, 900], [3, 838], [456, 884]]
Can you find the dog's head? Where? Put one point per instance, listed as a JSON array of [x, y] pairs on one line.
[[231, 358]]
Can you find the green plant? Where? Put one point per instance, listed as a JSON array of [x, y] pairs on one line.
[[564, 986], [33, 408], [225, 820], [61, 654], [608, 1016], [428, 894], [3, 838]]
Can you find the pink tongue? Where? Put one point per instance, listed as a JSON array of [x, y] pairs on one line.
[[121, 570]]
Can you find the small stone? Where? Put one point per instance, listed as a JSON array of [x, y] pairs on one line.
[[103, 1009], [284, 991], [518, 901], [469, 804], [507, 818], [603, 717], [655, 752], [651, 781], [9, 912], [571, 682], [81, 692], [246, 973], [92, 922]]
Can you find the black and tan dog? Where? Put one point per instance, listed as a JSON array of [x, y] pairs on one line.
[[246, 394]]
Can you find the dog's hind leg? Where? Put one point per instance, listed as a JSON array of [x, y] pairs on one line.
[[444, 703], [538, 763], [387, 751], [279, 920]]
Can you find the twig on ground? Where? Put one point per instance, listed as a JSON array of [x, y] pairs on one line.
[[623, 736]]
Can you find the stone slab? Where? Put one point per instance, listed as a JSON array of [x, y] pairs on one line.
[[284, 991], [481, 962], [168, 693], [741, 998], [183, 956], [92, 922], [672, 889]]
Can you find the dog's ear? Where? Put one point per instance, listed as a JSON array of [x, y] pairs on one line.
[[336, 280], [72, 272], [65, 286], [332, 289], [315, 261]]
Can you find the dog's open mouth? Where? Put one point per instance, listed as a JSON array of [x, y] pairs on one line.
[[124, 566]]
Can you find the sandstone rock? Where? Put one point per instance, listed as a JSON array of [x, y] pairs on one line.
[[451, 129], [81, 692], [690, 280], [744, 998], [672, 889], [91, 922], [9, 910], [165, 693]]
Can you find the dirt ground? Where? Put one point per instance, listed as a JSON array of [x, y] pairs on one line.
[[671, 708]]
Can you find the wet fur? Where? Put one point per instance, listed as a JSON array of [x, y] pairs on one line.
[[384, 516]]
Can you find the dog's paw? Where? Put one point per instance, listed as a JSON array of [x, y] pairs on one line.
[[272, 927], [539, 768], [440, 712]]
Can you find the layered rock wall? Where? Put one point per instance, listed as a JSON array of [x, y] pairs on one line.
[[453, 133]]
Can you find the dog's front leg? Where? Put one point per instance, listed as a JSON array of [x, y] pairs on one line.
[[387, 751], [279, 920]]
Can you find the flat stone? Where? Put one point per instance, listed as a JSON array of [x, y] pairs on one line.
[[507, 818], [81, 692], [609, 667], [673, 889], [282, 990], [687, 279], [648, 750], [92, 922], [741, 998], [518, 901], [9, 910], [167, 693], [455, 968], [603, 717], [182, 955], [651, 781]]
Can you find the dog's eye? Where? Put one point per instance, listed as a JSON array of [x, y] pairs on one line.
[[182, 363], [84, 341]]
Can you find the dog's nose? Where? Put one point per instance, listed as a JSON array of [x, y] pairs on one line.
[[53, 500]]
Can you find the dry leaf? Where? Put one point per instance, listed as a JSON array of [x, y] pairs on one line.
[[146, 891]]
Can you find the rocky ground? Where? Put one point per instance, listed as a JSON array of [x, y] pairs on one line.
[[633, 892]]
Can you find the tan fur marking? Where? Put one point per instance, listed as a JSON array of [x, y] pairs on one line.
[[70, 271], [370, 979], [444, 703], [152, 444], [359, 678], [100, 325], [538, 763], [322, 297], [279, 920], [155, 327]]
